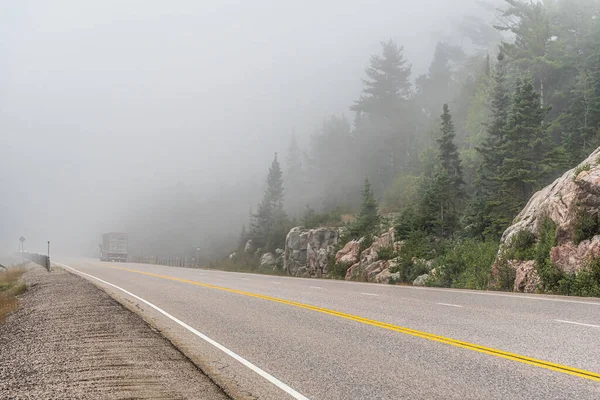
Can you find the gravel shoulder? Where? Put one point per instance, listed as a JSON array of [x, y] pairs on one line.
[[71, 340]]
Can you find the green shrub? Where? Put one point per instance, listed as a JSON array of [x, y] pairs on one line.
[[506, 275], [417, 245], [580, 169], [584, 283], [521, 246], [467, 264], [549, 274], [585, 226], [386, 253]]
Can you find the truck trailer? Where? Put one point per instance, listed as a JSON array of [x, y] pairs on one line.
[[114, 247]]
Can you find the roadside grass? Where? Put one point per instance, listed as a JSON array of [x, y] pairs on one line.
[[10, 287]]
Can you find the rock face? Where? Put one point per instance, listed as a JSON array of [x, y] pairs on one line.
[[320, 245], [575, 191], [294, 255], [527, 279], [421, 280], [307, 251], [268, 260], [569, 257], [559, 201], [350, 253], [368, 267]]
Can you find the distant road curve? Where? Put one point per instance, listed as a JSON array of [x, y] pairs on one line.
[[276, 337]]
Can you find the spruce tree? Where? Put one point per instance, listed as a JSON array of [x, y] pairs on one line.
[[270, 216], [485, 218], [368, 216], [448, 179], [526, 164]]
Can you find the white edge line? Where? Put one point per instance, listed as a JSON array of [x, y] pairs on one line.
[[275, 283], [315, 287], [449, 305], [577, 323], [202, 336], [370, 294]]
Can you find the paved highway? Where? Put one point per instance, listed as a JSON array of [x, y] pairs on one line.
[[278, 338]]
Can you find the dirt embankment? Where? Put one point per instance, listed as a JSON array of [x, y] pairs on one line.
[[70, 340]]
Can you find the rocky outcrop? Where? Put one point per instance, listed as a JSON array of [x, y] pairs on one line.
[[350, 253], [320, 244], [560, 201], [268, 260], [368, 266], [307, 251], [421, 280], [249, 247], [296, 247], [576, 191], [527, 279], [570, 257]]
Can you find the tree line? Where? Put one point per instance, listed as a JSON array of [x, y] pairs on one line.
[[454, 153]]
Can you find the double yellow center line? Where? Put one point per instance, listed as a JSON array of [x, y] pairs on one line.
[[407, 331]]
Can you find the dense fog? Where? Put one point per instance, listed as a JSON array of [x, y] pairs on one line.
[[161, 118]]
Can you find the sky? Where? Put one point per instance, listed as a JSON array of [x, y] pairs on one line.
[[103, 104]]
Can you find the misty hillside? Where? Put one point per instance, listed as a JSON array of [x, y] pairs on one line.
[[164, 123]]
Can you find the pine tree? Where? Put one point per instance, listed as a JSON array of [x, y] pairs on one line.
[[484, 215], [526, 165], [384, 110], [275, 184], [270, 215], [367, 220], [448, 179], [387, 82]]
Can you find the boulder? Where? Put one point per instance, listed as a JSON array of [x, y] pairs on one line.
[[375, 269], [307, 251], [232, 256], [321, 242], [526, 278], [249, 247], [368, 265], [350, 253], [386, 276], [294, 255], [421, 280], [279, 251], [353, 272], [569, 257], [268, 260]]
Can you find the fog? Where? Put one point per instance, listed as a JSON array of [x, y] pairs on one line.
[[113, 111]]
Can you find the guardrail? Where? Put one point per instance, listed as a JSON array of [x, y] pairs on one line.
[[39, 259]]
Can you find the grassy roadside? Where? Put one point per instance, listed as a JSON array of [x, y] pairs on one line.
[[10, 287]]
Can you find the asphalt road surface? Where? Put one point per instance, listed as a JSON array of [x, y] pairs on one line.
[[277, 338]]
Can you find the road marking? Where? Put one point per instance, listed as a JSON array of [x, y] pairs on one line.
[[315, 287], [594, 376], [449, 305], [245, 279], [275, 283], [370, 294], [221, 276], [577, 323], [202, 336], [482, 293]]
